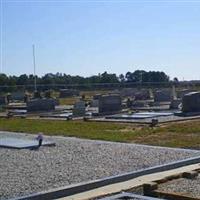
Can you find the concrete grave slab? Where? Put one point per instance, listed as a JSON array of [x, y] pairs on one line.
[[18, 143], [142, 115]]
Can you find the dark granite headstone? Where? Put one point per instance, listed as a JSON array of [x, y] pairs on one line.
[[110, 103], [41, 105], [97, 96], [17, 96], [191, 102], [163, 96], [37, 95], [175, 104], [182, 93], [2, 100]]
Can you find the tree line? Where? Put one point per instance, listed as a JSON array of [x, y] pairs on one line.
[[138, 76]]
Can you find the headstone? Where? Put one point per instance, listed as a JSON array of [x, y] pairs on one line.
[[174, 95], [26, 97], [37, 95], [56, 101], [8, 98], [2, 100], [17, 96], [97, 96], [142, 95], [79, 108], [47, 94], [151, 93], [163, 96], [41, 105], [110, 103], [129, 103], [182, 93], [94, 103], [191, 102], [175, 104], [140, 104], [68, 93]]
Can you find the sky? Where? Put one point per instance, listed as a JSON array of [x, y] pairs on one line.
[[89, 37]]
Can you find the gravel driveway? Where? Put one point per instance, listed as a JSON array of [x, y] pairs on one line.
[[72, 160]]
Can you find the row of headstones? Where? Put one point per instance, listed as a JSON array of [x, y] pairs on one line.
[[22, 97], [25, 96], [111, 103], [106, 104], [159, 95]]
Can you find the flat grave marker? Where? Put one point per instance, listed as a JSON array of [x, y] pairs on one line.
[[18, 143]]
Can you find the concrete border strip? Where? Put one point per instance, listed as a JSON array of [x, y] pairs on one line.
[[131, 183], [89, 185], [129, 195]]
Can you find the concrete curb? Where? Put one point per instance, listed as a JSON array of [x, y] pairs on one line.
[[129, 195], [86, 186]]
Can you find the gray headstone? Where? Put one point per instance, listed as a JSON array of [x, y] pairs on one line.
[[110, 103], [182, 93], [19, 96], [97, 96], [79, 108], [41, 105], [191, 102], [94, 103], [175, 104], [142, 95], [163, 96], [2, 100]]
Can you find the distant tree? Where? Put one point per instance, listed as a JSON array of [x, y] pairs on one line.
[[50, 80], [176, 80], [121, 78]]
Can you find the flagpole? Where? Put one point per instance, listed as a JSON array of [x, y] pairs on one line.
[[35, 81]]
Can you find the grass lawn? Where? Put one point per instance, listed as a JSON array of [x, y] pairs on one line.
[[68, 101], [88, 96], [184, 134]]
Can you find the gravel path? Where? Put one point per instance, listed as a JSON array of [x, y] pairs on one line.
[[72, 160], [189, 187]]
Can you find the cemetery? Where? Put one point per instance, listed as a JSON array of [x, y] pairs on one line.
[[128, 104], [99, 100], [96, 141]]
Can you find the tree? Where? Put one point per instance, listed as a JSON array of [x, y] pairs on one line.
[[176, 80]]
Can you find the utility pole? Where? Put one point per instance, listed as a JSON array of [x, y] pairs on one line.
[[1, 36], [35, 81]]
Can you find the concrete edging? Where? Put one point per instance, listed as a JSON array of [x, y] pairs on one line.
[[129, 195], [86, 186]]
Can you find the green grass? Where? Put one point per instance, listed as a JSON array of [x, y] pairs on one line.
[[88, 96], [68, 101], [185, 134]]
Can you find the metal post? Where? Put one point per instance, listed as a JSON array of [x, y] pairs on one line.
[[35, 81], [1, 36]]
